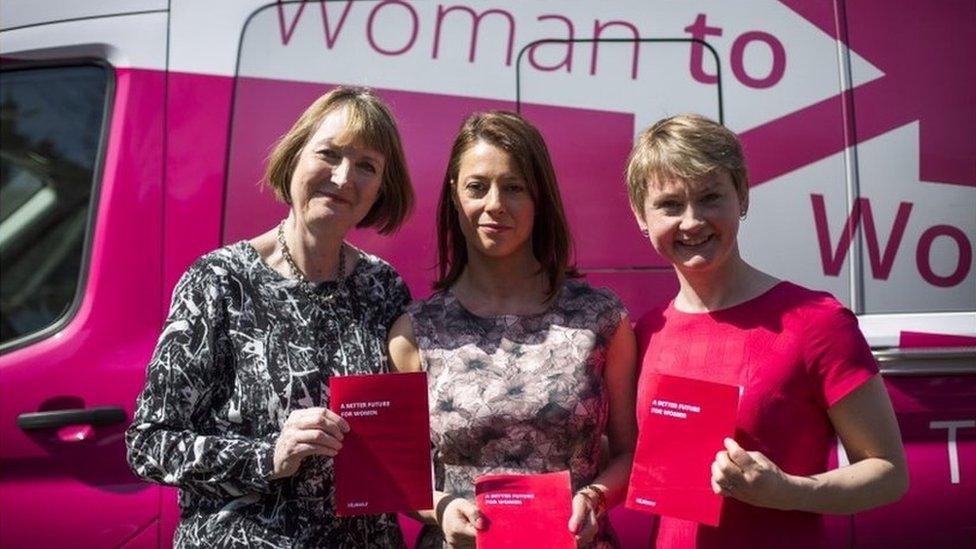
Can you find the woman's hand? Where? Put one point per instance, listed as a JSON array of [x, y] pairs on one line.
[[312, 431], [583, 522], [460, 521], [752, 478]]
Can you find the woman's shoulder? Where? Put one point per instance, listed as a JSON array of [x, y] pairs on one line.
[[225, 261], [653, 320], [583, 305], [375, 267], [380, 285], [577, 291], [432, 305], [806, 302], [231, 256], [810, 311]]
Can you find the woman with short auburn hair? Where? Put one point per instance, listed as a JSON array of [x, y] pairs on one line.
[[371, 121], [806, 373], [528, 366], [235, 411]]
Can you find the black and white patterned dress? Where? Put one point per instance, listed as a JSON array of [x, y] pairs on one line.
[[242, 348], [516, 393]]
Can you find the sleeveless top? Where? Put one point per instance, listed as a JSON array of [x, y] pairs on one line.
[[516, 393]]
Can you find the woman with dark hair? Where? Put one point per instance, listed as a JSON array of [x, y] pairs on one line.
[[235, 408], [528, 366]]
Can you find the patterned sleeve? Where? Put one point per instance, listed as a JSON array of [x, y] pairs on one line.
[[172, 439], [396, 300], [614, 312]]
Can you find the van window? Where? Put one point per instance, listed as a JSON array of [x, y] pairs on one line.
[[50, 134]]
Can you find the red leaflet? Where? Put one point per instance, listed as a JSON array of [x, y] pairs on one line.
[[680, 433], [525, 511], [384, 464]]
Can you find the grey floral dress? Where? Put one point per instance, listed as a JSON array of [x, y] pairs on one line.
[[514, 393], [242, 348]]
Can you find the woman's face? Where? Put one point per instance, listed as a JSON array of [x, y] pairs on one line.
[[495, 207], [694, 224], [336, 180]]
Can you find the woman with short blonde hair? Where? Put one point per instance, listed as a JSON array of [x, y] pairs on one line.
[[806, 373]]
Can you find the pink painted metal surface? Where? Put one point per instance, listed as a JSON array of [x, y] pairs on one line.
[[196, 151], [97, 359], [937, 417], [915, 46]]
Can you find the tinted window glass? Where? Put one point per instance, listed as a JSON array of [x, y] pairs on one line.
[[50, 129]]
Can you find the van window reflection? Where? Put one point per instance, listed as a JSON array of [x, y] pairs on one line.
[[50, 129]]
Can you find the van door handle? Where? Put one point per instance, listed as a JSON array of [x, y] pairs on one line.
[[96, 417]]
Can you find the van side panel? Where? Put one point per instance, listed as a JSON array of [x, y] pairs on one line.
[[198, 113], [856, 116], [97, 359], [937, 417]]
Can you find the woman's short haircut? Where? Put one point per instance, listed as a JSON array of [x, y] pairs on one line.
[[551, 240], [686, 147], [369, 123]]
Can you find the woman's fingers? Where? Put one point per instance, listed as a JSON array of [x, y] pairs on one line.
[[737, 454], [461, 522], [296, 445], [726, 474], [317, 438], [582, 523], [472, 515], [750, 477], [302, 450], [319, 418], [720, 481], [310, 431], [578, 518], [728, 467], [467, 530], [328, 418]]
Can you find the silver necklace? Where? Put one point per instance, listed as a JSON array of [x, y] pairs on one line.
[[300, 276]]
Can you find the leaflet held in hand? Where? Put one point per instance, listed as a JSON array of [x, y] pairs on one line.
[[680, 432], [525, 511], [384, 464]]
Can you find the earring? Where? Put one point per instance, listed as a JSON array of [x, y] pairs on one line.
[[644, 232], [742, 214]]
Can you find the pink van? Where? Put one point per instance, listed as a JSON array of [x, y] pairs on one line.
[[134, 133]]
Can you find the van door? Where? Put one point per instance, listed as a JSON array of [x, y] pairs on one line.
[[80, 238]]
